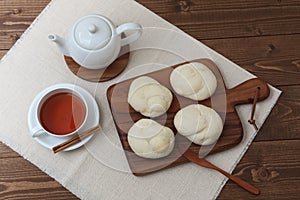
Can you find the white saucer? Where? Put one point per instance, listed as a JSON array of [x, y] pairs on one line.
[[92, 120]]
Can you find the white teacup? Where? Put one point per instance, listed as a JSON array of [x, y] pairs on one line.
[[60, 113]]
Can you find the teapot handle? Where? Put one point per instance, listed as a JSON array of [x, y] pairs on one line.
[[137, 28]]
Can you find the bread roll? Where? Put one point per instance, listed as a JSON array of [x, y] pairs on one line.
[[194, 81], [149, 97], [149, 139], [200, 124]]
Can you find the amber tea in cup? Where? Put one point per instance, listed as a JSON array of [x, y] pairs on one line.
[[61, 113]]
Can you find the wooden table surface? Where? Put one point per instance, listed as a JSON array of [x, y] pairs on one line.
[[263, 37]]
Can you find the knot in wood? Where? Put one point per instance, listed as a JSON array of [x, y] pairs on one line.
[[258, 31], [15, 37], [16, 11], [262, 174], [184, 6], [271, 48], [3, 187]]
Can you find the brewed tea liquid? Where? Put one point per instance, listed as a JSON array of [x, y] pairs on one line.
[[62, 113]]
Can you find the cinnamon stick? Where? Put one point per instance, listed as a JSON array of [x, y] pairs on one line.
[[75, 139]]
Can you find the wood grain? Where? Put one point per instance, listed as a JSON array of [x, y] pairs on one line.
[[206, 19], [19, 179], [194, 157], [202, 19], [271, 166], [5, 152], [272, 58], [284, 120], [15, 17], [99, 75], [260, 36], [2, 53]]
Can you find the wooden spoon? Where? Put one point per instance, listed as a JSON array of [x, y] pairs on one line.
[[193, 157]]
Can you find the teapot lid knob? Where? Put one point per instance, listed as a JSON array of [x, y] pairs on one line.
[[92, 28], [92, 32]]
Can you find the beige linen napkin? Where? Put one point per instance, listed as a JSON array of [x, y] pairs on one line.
[[99, 170]]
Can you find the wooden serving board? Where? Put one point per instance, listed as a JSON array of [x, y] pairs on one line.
[[223, 101]]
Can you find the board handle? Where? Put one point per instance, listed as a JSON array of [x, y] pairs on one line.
[[245, 92]]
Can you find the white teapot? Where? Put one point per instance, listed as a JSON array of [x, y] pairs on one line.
[[94, 42]]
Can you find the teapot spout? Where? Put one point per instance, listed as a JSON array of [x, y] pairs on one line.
[[60, 43]]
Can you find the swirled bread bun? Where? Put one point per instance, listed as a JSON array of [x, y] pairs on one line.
[[149, 97], [149, 139], [194, 81], [200, 124]]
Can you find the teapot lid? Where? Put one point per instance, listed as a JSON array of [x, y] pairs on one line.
[[92, 32]]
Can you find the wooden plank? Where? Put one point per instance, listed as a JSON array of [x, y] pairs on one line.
[[201, 19], [277, 175], [19, 179], [2, 53], [271, 166], [284, 120], [15, 17], [272, 58], [17, 9], [8, 38], [6, 152], [168, 6], [206, 19]]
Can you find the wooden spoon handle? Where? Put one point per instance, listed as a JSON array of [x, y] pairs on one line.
[[193, 157], [247, 186]]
